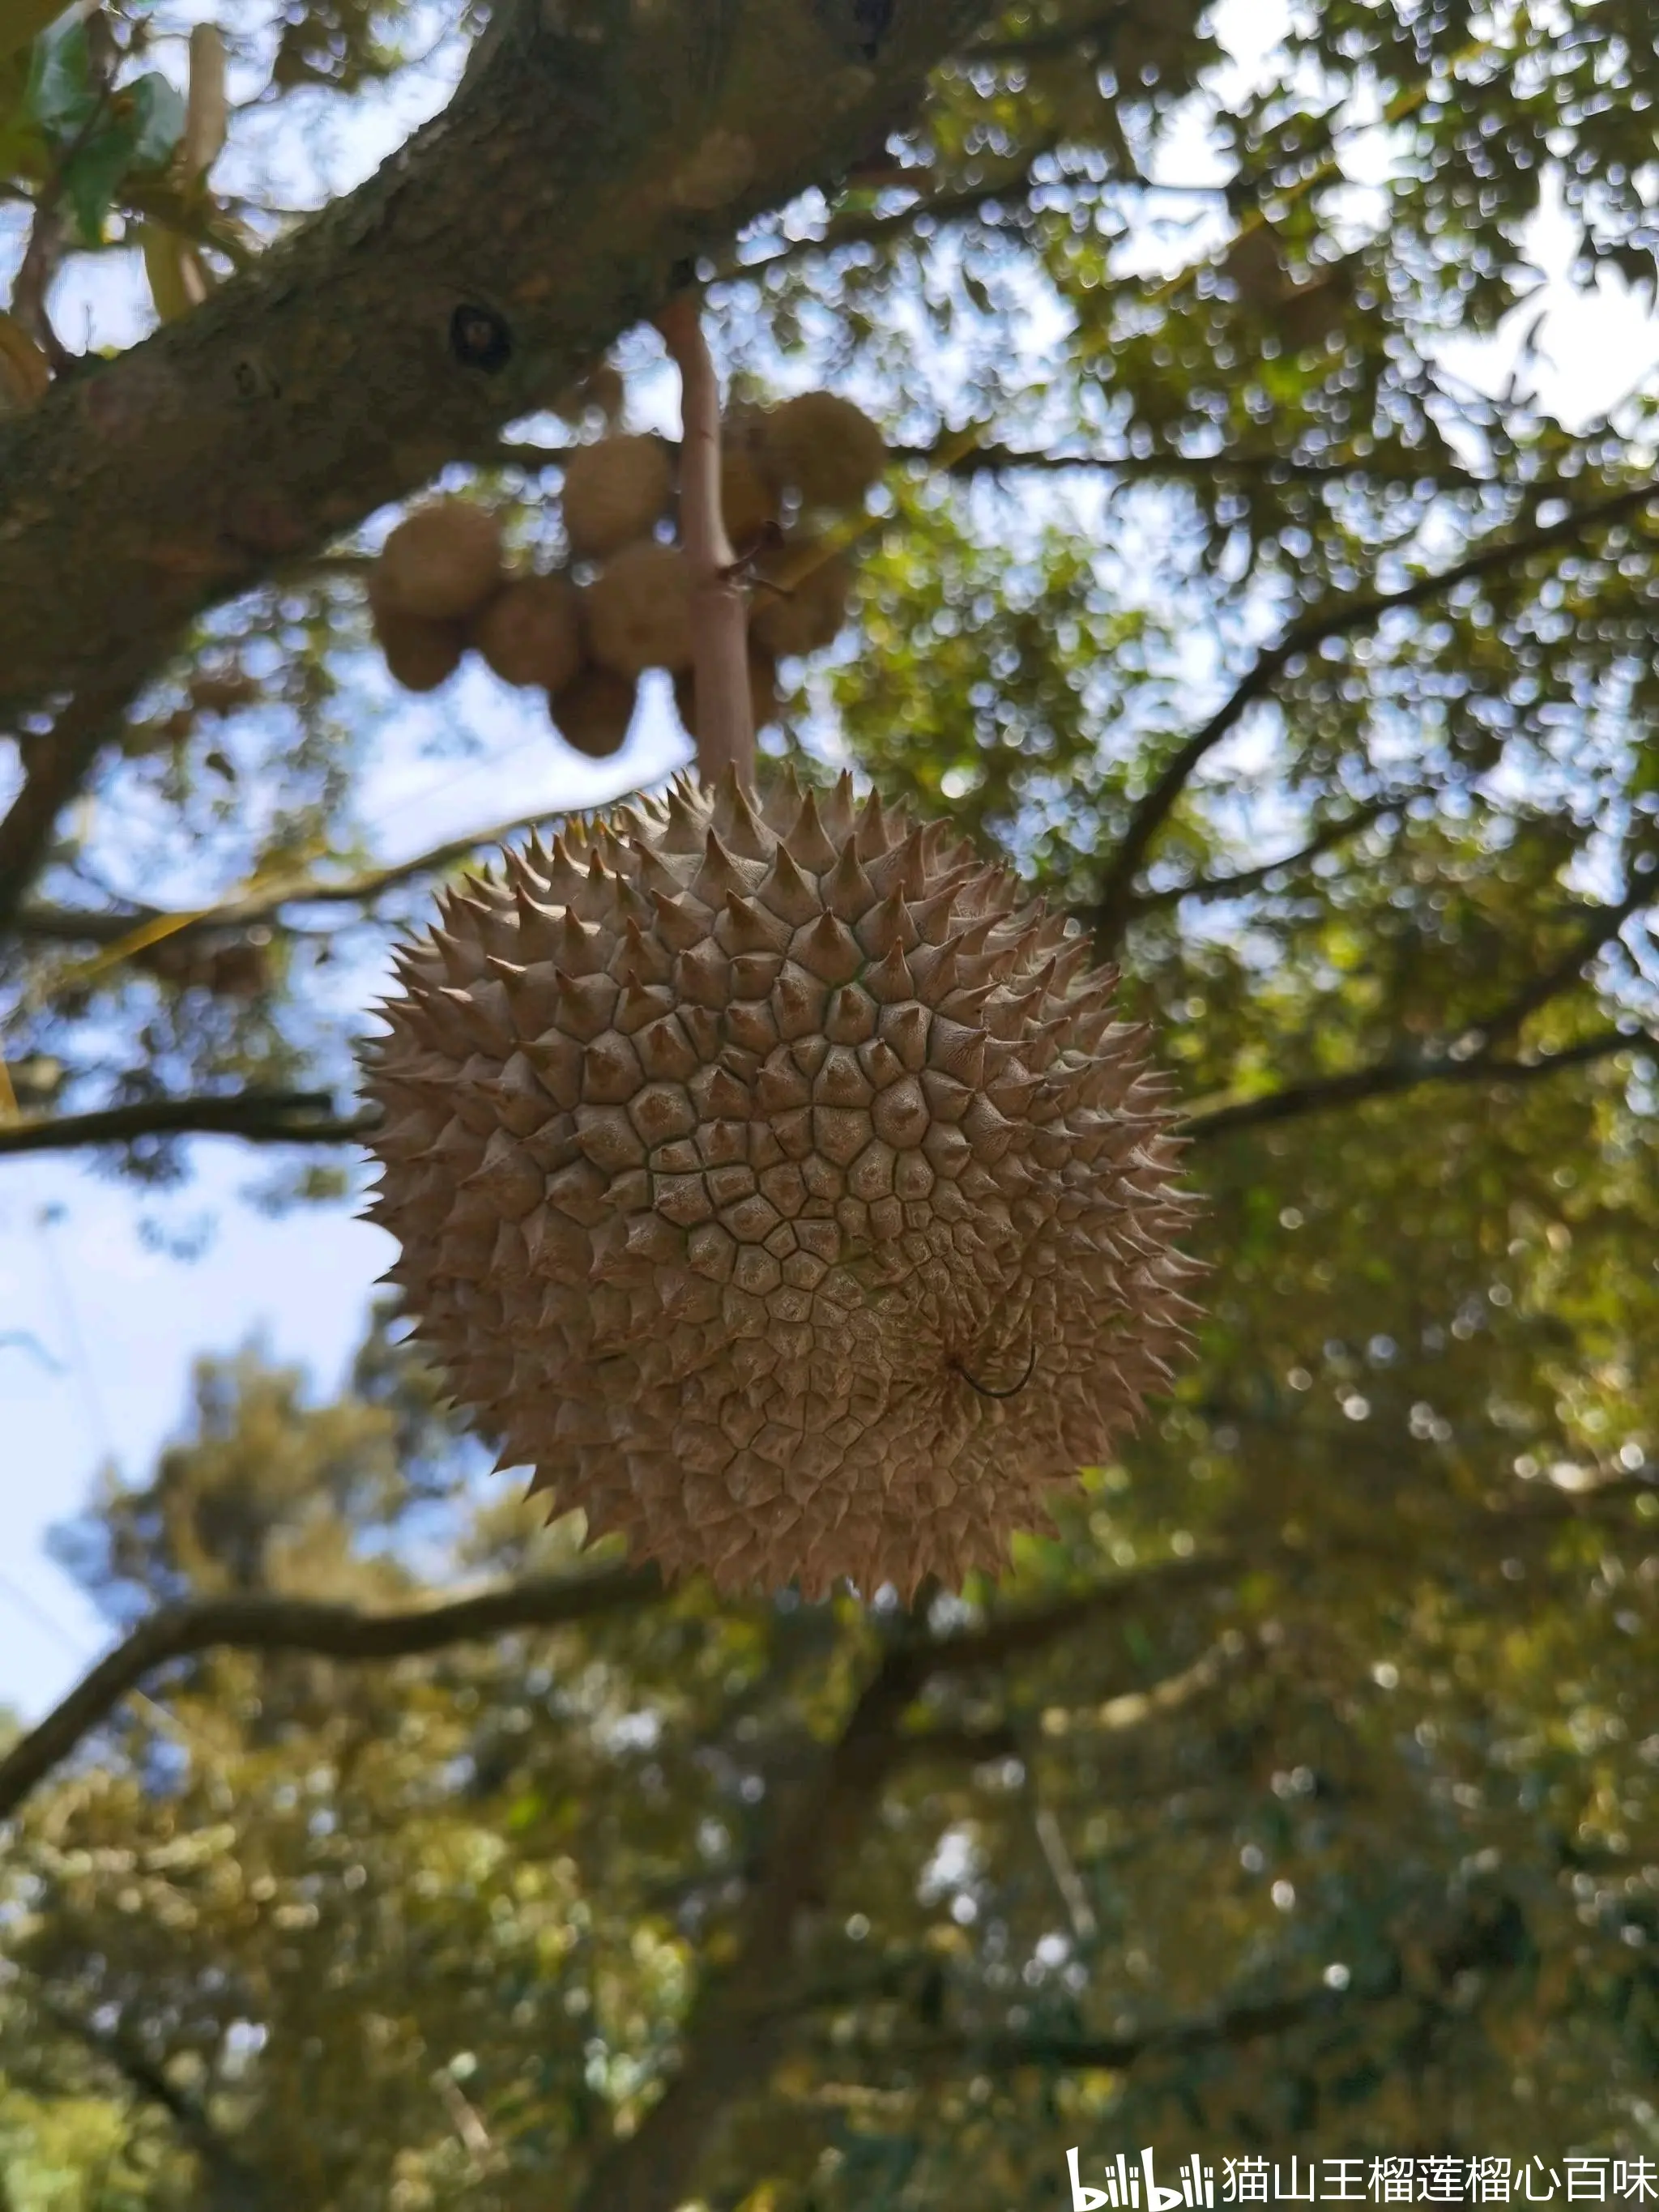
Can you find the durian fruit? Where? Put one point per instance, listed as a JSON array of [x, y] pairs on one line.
[[763, 693], [419, 655], [531, 632], [441, 564], [823, 447], [779, 1187], [614, 492], [799, 598], [637, 611], [749, 498], [592, 712]]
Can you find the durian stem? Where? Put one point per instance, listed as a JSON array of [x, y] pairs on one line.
[[720, 619]]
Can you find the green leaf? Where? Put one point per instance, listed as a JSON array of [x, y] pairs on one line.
[[145, 124], [61, 97], [90, 177], [159, 109]]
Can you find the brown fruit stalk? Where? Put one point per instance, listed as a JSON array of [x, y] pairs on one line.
[[763, 693]]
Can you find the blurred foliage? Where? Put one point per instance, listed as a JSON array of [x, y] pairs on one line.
[[1383, 1849]]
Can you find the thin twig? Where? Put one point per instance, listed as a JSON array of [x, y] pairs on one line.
[[1387, 1079], [71, 925], [1341, 618], [1248, 879], [1600, 930], [257, 1117]]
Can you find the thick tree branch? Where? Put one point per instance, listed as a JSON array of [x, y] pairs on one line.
[[730, 2030], [257, 1117], [1341, 618], [1388, 1078], [337, 1631], [331, 1632], [590, 149]]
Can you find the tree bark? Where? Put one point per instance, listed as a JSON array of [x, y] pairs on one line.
[[592, 147]]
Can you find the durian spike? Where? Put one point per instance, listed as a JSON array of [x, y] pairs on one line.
[[725, 725]]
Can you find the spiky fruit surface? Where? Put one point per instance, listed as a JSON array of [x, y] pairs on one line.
[[440, 564], [531, 632], [799, 601], [637, 613], [823, 447], [614, 492], [777, 1190], [594, 711]]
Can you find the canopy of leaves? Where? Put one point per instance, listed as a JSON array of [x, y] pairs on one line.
[[1317, 1811]]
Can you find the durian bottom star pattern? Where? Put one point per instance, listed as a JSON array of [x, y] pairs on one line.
[[779, 1188]]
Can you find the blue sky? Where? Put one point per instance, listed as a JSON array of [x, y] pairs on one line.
[[98, 1330]]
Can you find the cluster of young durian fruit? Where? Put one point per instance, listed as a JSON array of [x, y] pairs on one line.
[[584, 635]]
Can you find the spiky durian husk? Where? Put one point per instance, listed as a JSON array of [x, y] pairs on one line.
[[778, 1188]]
